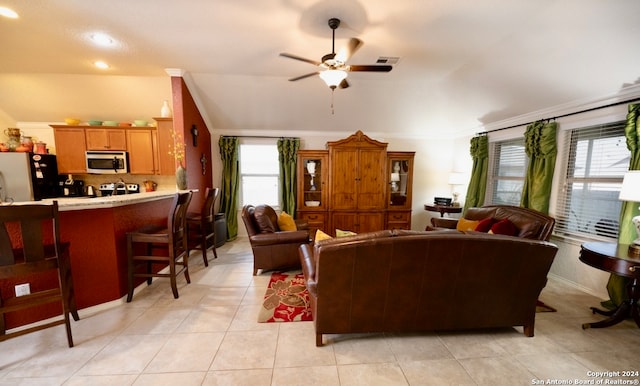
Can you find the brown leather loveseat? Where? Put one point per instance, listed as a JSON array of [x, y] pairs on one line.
[[272, 248], [529, 224], [395, 281]]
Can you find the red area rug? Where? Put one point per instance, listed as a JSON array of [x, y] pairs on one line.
[[286, 299]]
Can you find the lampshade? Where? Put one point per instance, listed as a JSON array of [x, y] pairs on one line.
[[333, 77], [631, 186], [456, 178]]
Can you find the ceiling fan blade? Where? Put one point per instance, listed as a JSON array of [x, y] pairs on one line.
[[346, 52], [371, 68], [296, 57], [304, 76], [343, 84]]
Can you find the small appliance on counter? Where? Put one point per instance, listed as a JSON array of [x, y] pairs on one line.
[[70, 187], [117, 188], [28, 176]]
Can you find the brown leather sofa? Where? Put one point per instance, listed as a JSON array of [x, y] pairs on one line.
[[410, 281], [530, 224], [272, 248]]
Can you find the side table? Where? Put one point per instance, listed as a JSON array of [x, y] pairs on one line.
[[443, 209], [615, 258]]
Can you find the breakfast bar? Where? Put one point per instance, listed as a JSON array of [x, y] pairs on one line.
[[96, 228]]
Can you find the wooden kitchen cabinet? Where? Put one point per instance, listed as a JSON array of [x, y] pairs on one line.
[[70, 149], [106, 138], [142, 145], [166, 164], [149, 149]]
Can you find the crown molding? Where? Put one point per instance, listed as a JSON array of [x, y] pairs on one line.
[[625, 94]]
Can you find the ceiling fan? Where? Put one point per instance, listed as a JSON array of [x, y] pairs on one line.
[[333, 67]]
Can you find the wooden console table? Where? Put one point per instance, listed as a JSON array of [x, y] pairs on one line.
[[443, 209], [615, 258]]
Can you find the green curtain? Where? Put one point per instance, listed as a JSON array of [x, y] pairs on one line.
[[287, 156], [541, 148], [229, 149], [617, 285], [478, 183]]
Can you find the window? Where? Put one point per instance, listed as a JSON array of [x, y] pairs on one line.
[[596, 161], [508, 166], [259, 174]]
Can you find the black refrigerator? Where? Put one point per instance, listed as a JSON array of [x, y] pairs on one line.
[[28, 177]]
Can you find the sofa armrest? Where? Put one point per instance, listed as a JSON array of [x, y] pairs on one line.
[[285, 237], [439, 222], [308, 263]]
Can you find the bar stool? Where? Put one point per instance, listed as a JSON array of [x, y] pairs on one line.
[[172, 239], [201, 225]]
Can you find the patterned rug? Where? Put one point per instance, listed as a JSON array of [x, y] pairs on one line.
[[286, 299]]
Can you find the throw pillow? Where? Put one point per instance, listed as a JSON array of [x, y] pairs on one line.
[[467, 225], [503, 227], [341, 233], [286, 222], [485, 225], [320, 235]]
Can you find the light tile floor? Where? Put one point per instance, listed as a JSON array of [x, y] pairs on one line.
[[209, 336]]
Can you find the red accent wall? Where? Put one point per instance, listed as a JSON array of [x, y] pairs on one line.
[[185, 115]]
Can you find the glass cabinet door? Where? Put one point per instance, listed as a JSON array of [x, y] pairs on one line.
[[400, 170], [312, 170]]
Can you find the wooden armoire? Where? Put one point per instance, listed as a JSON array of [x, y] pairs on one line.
[[355, 185]]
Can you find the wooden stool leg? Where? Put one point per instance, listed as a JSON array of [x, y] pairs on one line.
[[130, 267]]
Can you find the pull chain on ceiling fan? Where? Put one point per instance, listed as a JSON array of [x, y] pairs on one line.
[[333, 68]]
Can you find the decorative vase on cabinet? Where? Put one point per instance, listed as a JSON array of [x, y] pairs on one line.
[[165, 111]]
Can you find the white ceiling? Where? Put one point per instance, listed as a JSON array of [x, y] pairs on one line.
[[462, 62]]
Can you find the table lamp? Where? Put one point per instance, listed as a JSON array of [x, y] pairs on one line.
[[631, 192], [456, 179]]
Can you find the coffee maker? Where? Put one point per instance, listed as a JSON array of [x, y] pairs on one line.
[[70, 187]]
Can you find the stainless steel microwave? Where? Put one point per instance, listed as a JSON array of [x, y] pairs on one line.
[[107, 162]]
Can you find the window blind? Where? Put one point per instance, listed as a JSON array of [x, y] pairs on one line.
[[596, 159], [508, 163]]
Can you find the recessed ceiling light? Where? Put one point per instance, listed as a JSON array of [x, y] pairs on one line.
[[10, 13], [101, 65], [102, 39]]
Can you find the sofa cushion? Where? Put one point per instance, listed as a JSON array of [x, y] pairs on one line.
[[485, 225], [286, 222], [504, 227], [266, 219], [341, 233], [466, 224], [320, 235]]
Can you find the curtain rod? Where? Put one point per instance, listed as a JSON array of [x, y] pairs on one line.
[[563, 115]]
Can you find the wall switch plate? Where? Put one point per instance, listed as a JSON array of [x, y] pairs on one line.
[[23, 289]]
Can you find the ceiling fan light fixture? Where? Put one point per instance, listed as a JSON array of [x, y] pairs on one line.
[[333, 77]]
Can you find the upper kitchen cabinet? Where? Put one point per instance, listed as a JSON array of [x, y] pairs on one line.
[[166, 163], [70, 149], [149, 148], [142, 144], [106, 138]]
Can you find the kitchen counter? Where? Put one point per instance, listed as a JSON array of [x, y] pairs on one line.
[[83, 203], [96, 229]]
